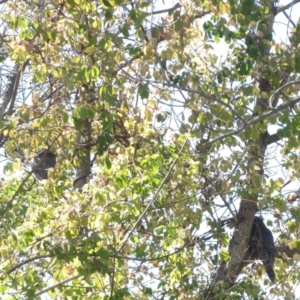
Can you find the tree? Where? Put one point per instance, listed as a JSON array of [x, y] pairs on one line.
[[164, 149]]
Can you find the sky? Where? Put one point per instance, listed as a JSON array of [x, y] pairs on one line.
[[281, 35]]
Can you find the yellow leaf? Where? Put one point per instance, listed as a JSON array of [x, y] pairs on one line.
[[95, 24], [264, 95], [223, 8], [148, 114], [148, 49], [35, 124], [90, 50]]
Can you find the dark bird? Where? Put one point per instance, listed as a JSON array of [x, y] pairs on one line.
[[38, 164], [261, 246]]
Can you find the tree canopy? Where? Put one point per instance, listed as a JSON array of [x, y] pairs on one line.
[[170, 126]]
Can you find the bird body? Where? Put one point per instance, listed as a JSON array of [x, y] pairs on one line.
[[261, 246], [38, 164]]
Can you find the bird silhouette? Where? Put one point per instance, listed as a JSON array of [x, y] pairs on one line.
[[37, 164], [261, 246]]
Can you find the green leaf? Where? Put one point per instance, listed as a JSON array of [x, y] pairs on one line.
[[104, 254], [143, 91], [135, 51], [105, 3], [297, 62], [30, 293], [147, 291], [160, 229], [137, 16], [116, 2], [103, 142], [107, 162], [71, 3], [84, 112], [95, 72], [109, 13], [78, 123], [224, 254]]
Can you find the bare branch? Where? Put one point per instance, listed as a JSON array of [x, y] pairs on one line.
[[254, 121], [277, 92], [288, 17], [125, 239], [176, 6], [56, 285], [7, 94], [16, 85], [17, 266], [172, 9], [280, 9]]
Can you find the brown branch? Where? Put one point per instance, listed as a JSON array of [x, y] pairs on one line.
[[7, 94], [16, 85], [248, 204], [83, 169], [8, 97]]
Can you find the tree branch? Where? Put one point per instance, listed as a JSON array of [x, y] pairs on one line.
[[56, 285], [254, 121], [167, 10], [125, 239], [8, 92], [290, 20], [280, 9], [277, 92]]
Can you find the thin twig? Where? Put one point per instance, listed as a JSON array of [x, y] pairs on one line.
[[289, 18], [280, 9], [254, 121], [56, 285], [280, 89], [176, 6], [125, 239]]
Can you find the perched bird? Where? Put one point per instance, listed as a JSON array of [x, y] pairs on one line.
[[261, 246], [38, 164]]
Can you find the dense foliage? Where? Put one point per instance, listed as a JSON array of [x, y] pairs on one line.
[[172, 125]]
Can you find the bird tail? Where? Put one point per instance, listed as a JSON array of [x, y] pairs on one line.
[[271, 273]]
